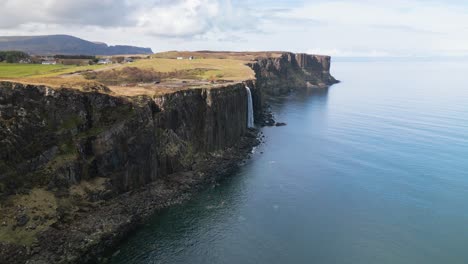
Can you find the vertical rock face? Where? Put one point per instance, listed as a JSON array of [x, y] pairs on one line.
[[60, 137], [313, 62], [47, 136], [292, 71], [317, 66], [198, 121]]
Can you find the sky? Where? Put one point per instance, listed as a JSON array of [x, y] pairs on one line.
[[341, 28]]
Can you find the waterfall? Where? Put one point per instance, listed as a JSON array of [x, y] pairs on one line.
[[250, 114]]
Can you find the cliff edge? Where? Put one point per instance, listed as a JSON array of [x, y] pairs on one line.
[[292, 71]]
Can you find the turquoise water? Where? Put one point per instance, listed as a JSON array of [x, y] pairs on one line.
[[373, 170]]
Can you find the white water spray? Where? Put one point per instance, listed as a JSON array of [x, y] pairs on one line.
[[250, 114]]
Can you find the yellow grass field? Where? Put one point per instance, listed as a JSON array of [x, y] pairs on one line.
[[226, 69]]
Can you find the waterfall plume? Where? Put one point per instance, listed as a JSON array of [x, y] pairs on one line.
[[250, 114]]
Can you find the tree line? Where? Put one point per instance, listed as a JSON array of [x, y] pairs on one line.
[[13, 56], [75, 57]]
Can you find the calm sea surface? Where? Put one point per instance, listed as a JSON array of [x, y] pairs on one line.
[[373, 170]]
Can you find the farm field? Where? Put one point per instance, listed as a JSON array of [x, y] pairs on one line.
[[226, 69], [9, 71]]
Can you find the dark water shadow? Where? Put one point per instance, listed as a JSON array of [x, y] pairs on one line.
[[171, 230]]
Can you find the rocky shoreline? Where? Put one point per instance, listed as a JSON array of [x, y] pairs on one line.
[[96, 230]]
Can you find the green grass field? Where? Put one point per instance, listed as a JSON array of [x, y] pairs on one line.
[[8, 70]]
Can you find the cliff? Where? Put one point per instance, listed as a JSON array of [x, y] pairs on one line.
[[79, 169], [57, 138], [292, 71]]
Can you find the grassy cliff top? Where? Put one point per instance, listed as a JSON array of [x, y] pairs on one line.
[[160, 73], [244, 56]]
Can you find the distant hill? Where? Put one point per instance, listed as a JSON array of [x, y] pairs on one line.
[[66, 45]]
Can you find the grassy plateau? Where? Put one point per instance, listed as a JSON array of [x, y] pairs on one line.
[[206, 69]]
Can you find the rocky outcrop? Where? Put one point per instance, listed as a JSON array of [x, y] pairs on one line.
[[292, 71], [316, 68]]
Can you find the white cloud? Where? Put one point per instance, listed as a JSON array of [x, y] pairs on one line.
[[335, 27], [195, 18], [425, 16], [166, 18], [183, 18], [396, 28], [15, 13]]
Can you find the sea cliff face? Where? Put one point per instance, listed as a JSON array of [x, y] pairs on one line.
[[103, 163], [292, 71], [57, 138]]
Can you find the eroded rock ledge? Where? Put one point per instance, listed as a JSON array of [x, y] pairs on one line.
[[80, 169]]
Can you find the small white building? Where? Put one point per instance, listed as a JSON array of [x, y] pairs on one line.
[[180, 58], [49, 62], [104, 61]]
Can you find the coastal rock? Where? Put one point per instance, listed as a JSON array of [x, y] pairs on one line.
[[70, 136], [290, 71]]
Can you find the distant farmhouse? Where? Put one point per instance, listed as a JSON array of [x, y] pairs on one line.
[[105, 61], [189, 58], [48, 61]]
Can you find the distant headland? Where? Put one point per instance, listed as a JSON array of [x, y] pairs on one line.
[[65, 44]]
